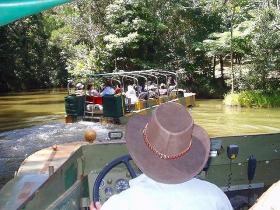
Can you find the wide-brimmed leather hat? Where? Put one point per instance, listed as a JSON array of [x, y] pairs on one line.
[[167, 146]]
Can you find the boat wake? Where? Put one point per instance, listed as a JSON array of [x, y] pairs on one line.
[[18, 144]]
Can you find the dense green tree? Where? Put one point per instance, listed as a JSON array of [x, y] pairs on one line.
[[265, 54], [131, 38], [244, 43], [199, 37], [28, 62]]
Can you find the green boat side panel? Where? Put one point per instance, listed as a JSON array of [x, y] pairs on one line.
[[74, 105], [13, 10], [113, 106], [29, 183], [70, 176], [265, 148], [70, 200]]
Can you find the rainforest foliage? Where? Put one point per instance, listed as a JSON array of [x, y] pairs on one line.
[[220, 45]]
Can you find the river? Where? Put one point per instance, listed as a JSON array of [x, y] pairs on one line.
[[35, 120]]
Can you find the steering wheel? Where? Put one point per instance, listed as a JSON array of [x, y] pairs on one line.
[[123, 159]]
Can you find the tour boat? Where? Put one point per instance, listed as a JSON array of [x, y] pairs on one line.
[[118, 108]]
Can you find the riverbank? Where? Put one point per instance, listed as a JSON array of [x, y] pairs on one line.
[[259, 99]]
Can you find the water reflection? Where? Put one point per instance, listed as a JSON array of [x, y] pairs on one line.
[[220, 120], [29, 108]]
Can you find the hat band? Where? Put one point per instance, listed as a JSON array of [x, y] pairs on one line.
[[159, 154]]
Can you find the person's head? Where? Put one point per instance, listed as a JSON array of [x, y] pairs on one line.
[[167, 146], [108, 83], [162, 86], [89, 86], [152, 87], [79, 86]]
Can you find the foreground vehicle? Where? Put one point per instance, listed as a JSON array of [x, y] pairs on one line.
[[63, 176]]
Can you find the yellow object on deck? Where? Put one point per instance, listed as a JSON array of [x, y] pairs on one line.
[[140, 105], [159, 101]]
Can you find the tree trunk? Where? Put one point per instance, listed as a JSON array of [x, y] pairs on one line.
[[268, 3], [231, 48], [222, 67], [214, 66]]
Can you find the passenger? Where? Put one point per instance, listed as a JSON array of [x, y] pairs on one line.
[[162, 89], [118, 89], [143, 96], [131, 94], [152, 86], [90, 91], [79, 89], [170, 150], [108, 90], [137, 88], [171, 82], [146, 95], [153, 91]]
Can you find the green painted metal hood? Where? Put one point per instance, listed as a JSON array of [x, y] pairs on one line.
[[11, 10]]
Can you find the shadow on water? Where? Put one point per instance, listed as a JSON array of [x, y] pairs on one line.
[[32, 121]]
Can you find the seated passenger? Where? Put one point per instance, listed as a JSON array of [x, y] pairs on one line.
[[118, 89], [131, 94], [137, 88], [152, 86], [90, 91], [171, 82], [170, 150], [162, 90], [79, 89], [143, 96], [153, 91], [146, 95], [108, 90]]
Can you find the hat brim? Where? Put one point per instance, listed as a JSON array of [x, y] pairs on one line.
[[166, 171]]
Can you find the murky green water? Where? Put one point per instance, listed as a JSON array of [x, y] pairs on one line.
[[221, 120], [30, 109]]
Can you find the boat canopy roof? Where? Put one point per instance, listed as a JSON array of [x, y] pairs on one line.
[[11, 10], [141, 73], [151, 75]]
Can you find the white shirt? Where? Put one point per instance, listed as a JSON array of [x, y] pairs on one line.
[[147, 194], [131, 93], [92, 93], [79, 92]]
